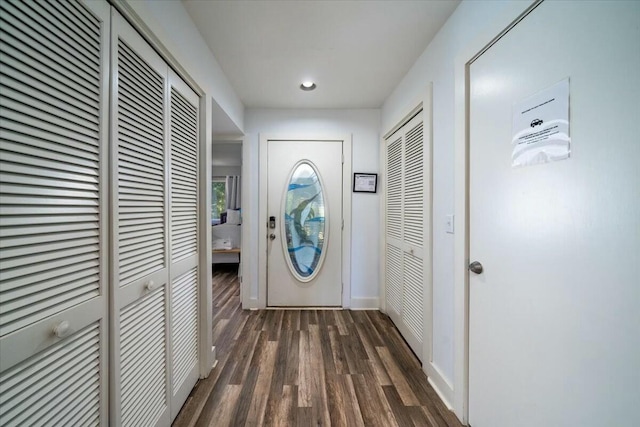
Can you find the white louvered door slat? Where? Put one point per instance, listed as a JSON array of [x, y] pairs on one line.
[[183, 177], [412, 295], [141, 203], [394, 278], [184, 330], [142, 355], [53, 212], [413, 212], [394, 189], [56, 386], [141, 112]]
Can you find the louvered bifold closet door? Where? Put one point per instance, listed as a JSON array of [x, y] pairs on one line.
[[54, 67], [413, 231], [404, 235], [183, 183], [140, 382]]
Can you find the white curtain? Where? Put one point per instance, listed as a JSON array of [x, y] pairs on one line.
[[233, 192]]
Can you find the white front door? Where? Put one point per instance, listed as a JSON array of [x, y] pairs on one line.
[[554, 336], [304, 250]]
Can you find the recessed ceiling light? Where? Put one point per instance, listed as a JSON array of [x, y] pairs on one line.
[[308, 85]]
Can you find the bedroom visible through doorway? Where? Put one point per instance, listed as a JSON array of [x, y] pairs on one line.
[[226, 207]]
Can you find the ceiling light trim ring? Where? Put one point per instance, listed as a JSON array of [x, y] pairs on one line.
[[307, 86]]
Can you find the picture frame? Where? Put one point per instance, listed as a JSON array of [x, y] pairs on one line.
[[365, 182]]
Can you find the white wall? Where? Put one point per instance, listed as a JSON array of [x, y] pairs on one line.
[[227, 154], [227, 159], [171, 24], [218, 171], [364, 125], [436, 64]]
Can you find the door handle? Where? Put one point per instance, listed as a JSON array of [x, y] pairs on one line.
[[272, 236], [475, 267]]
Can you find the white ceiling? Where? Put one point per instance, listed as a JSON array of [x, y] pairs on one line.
[[356, 51]]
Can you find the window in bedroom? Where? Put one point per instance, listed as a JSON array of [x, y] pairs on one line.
[[218, 198]]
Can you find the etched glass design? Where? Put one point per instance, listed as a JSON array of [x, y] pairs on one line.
[[304, 210]]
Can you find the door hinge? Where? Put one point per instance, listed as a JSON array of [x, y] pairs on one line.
[[343, 224], [343, 159]]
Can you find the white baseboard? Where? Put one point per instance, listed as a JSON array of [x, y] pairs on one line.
[[441, 386], [366, 303], [251, 304], [215, 362]]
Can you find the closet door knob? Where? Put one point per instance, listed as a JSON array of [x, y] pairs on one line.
[[150, 285], [62, 329]]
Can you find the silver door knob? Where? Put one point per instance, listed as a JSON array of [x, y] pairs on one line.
[[272, 236], [475, 267]]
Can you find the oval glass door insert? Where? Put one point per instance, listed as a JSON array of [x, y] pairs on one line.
[[304, 220]]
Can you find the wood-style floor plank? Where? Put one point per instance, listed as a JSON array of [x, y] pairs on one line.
[[309, 367]]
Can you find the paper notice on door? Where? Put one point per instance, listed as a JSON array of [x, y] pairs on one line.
[[541, 127]]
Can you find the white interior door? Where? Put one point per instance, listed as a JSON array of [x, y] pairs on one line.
[[304, 250], [554, 335]]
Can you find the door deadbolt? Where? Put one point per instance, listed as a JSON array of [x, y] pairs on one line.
[[272, 236]]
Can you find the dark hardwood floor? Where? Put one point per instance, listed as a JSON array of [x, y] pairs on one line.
[[309, 367]]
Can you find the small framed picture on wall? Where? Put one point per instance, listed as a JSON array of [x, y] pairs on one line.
[[365, 182]]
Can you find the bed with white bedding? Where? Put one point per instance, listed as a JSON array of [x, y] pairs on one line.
[[225, 243]]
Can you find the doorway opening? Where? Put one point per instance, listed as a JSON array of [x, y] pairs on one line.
[[226, 206]]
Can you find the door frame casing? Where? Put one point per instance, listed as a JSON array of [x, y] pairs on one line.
[[346, 139], [495, 30]]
